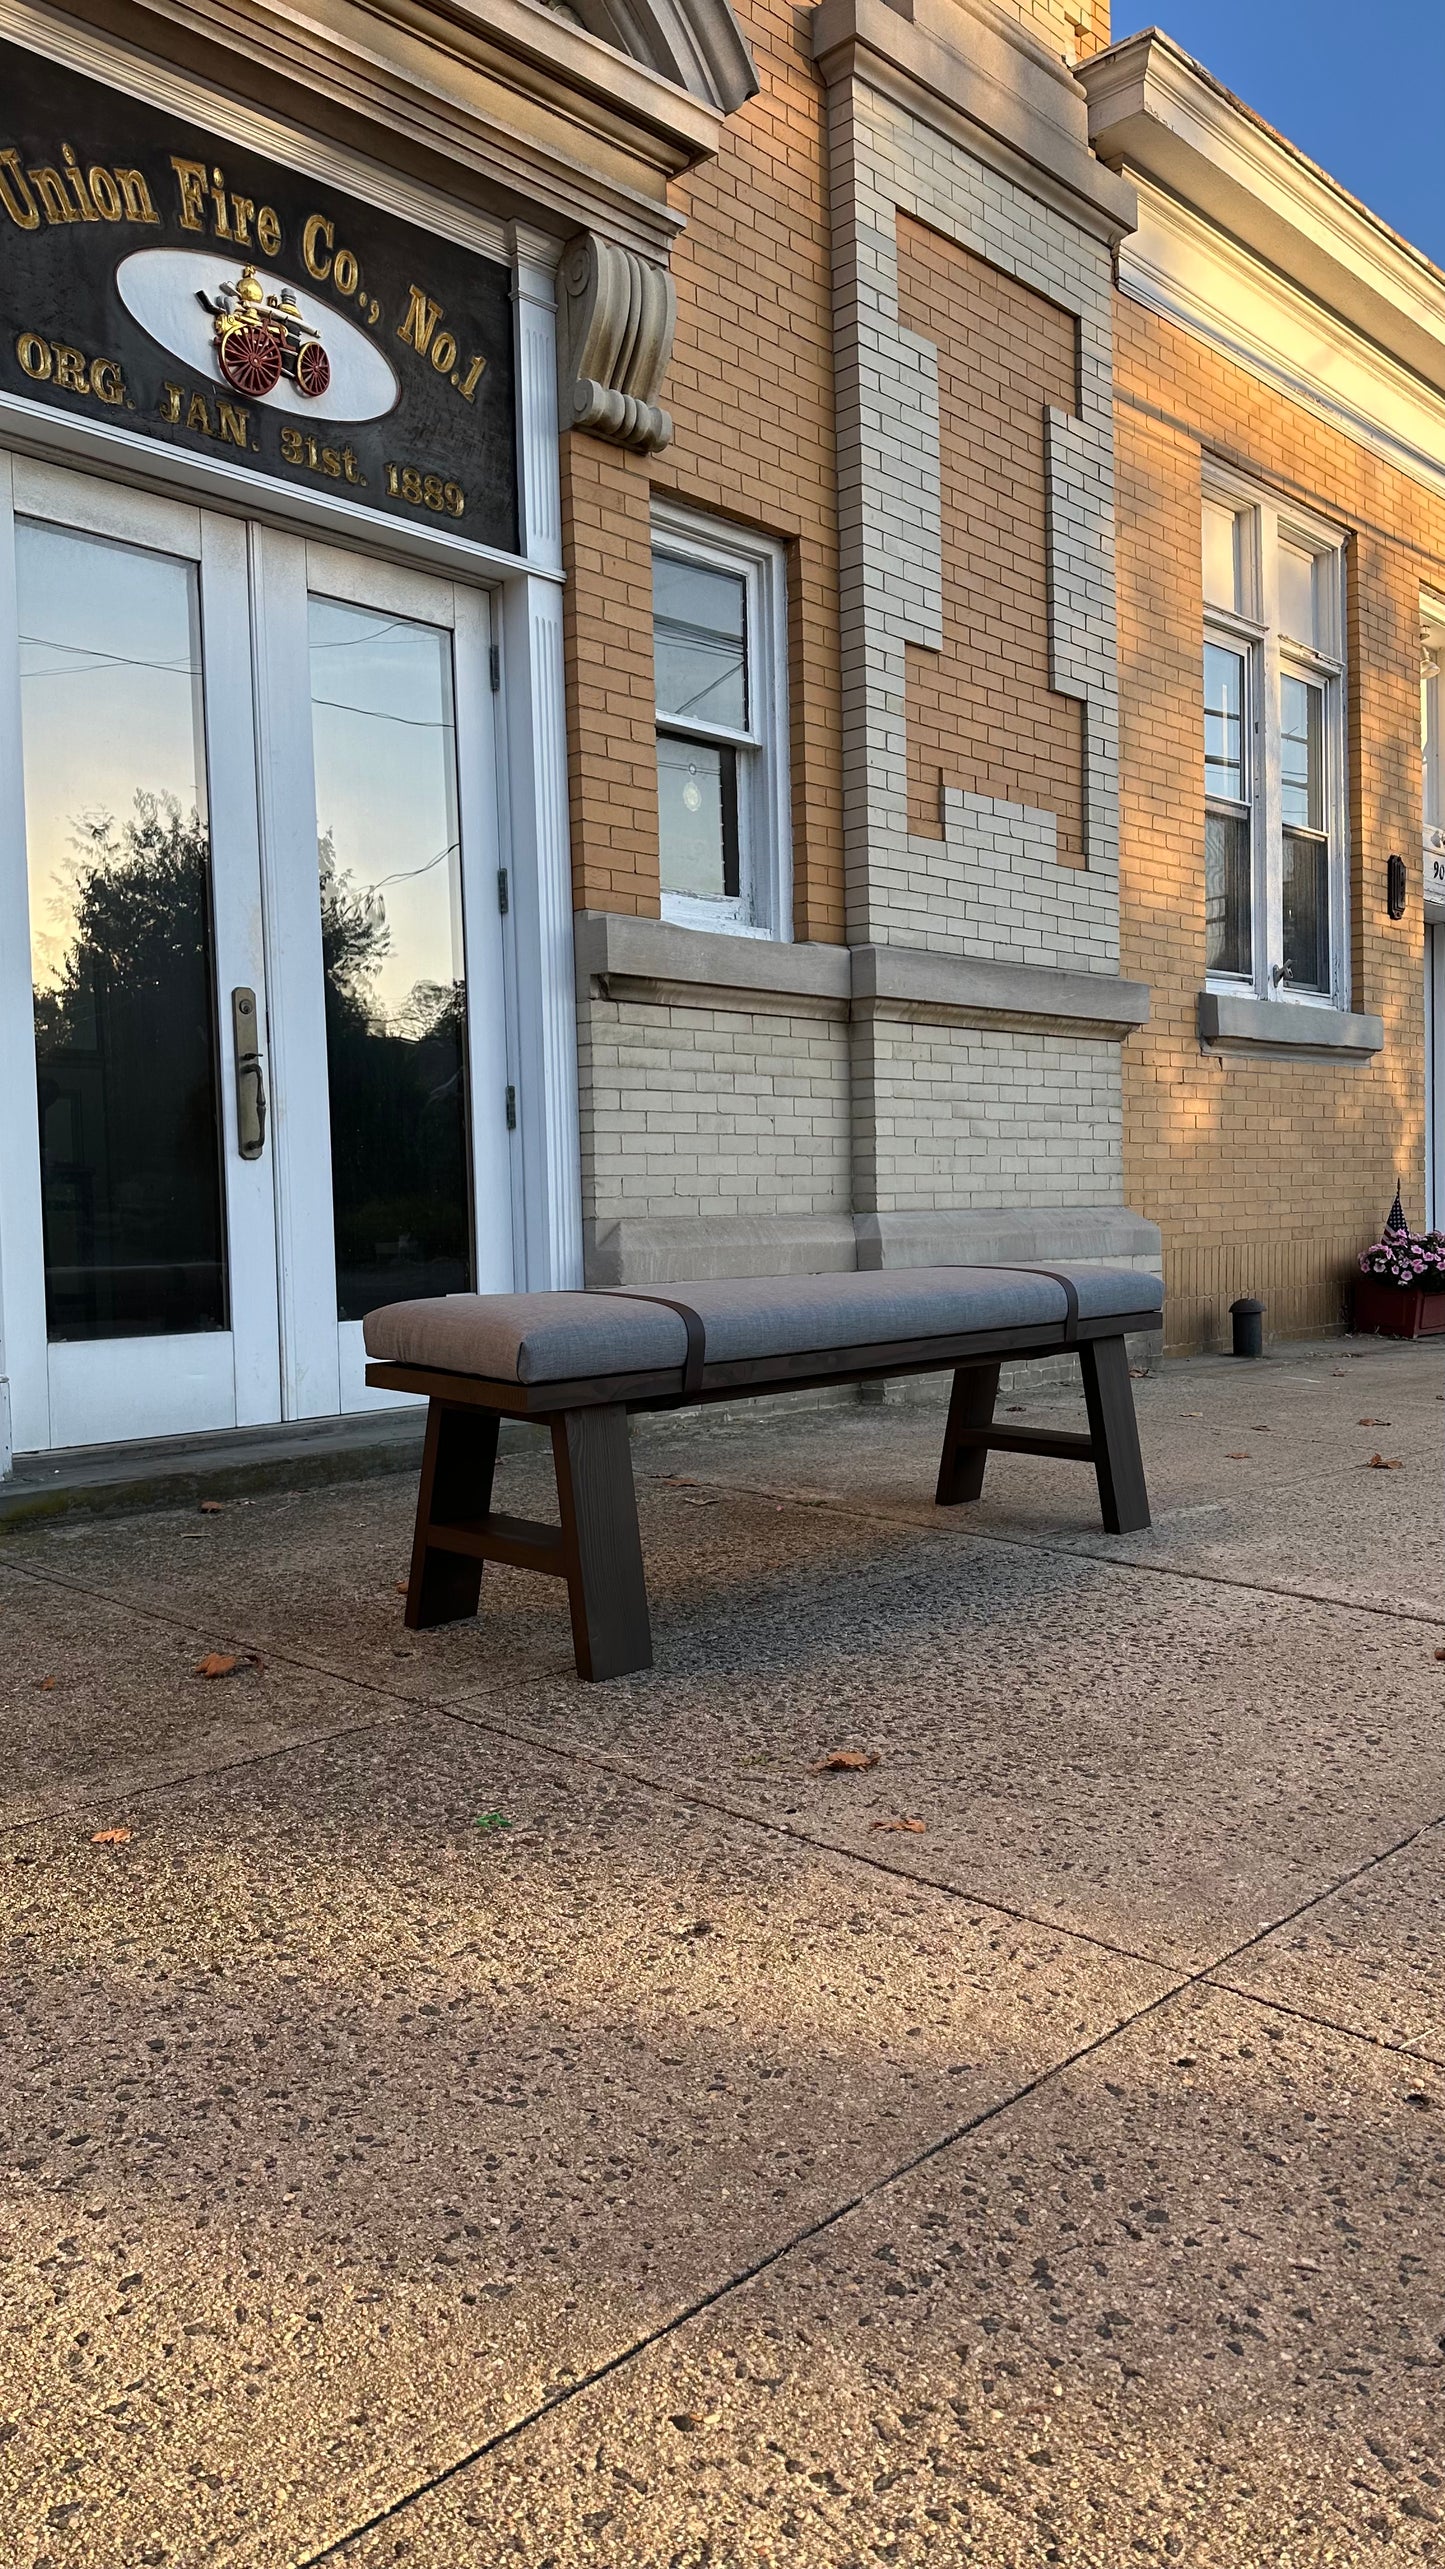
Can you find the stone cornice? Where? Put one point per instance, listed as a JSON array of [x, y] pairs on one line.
[[1156, 113], [970, 72], [502, 96]]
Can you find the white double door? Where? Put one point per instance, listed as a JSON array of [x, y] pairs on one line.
[[252, 1010]]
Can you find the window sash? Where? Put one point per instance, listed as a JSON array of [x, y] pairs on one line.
[[1293, 790], [743, 774]]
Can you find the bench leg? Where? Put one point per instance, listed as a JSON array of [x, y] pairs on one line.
[[601, 1546], [1114, 1430], [961, 1469], [458, 1461]]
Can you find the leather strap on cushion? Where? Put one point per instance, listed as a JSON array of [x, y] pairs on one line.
[[696, 1356], [1071, 1297]]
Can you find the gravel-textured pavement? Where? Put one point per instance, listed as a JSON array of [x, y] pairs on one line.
[[456, 2116]]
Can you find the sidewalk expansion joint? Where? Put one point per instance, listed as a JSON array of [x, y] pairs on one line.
[[1203, 1978]]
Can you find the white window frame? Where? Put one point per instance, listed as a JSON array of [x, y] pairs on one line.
[[764, 907], [1432, 730], [1270, 655]]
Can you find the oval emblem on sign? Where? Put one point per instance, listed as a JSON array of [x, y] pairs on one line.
[[257, 334]]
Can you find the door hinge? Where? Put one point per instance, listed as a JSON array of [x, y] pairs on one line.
[[494, 664], [511, 1110], [504, 894]]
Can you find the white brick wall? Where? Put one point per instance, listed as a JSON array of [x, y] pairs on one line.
[[993, 887], [712, 1111], [963, 1116]]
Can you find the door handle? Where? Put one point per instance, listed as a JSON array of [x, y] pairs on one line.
[[250, 1079]]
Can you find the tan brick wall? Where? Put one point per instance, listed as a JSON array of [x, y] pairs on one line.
[[751, 391], [1265, 1175], [607, 648], [981, 714]]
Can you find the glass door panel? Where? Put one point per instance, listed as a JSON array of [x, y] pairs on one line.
[[119, 861], [389, 848]]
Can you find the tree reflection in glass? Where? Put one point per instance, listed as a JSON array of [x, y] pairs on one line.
[[120, 911], [390, 880]]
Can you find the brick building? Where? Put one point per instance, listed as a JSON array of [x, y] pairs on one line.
[[562, 709], [1280, 406]]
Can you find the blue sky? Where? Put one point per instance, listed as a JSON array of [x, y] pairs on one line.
[[1362, 90]]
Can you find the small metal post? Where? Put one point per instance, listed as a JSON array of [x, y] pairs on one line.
[[1247, 1316]]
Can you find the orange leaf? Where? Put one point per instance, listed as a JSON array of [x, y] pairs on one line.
[[1236, 1458], [211, 1507], [215, 1664], [47, 1685], [1440, 1654], [845, 1761], [403, 1587], [110, 1837], [1379, 1463], [1374, 1422], [915, 1828]]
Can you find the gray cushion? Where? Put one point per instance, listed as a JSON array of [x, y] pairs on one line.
[[557, 1337]]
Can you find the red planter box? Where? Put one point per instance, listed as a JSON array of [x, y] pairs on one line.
[[1398, 1311]]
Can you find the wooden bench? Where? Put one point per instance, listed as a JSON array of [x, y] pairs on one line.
[[579, 1362]]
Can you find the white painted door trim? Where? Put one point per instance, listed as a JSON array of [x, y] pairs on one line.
[[111, 1390]]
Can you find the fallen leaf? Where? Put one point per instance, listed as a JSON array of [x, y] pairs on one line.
[[47, 1685], [211, 1507], [1236, 1458], [1440, 1654], [215, 1664], [110, 1837], [488, 1821], [915, 1828], [1379, 1463], [403, 1587], [845, 1761], [1374, 1422]]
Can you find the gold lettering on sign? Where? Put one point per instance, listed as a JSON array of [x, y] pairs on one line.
[[169, 404], [53, 361], [234, 425], [420, 320], [206, 205], [317, 237], [50, 188], [15, 195], [86, 210], [198, 414], [470, 380], [101, 195], [135, 196], [191, 178], [104, 195]]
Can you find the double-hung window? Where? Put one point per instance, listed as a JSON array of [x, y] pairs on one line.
[[1275, 849], [1432, 741], [719, 640]]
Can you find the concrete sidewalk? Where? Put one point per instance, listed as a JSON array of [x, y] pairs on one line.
[[473, 2118]]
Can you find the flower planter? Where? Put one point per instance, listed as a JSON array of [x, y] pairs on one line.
[[1398, 1311]]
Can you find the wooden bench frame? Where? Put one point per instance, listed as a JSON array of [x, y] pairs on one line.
[[596, 1547]]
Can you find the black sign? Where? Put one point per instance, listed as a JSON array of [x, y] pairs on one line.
[[156, 277]]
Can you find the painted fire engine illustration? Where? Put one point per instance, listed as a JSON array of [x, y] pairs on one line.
[[260, 337]]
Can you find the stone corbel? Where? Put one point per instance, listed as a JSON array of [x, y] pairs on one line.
[[615, 314]]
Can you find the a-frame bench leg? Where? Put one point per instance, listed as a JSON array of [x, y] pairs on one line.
[[1114, 1430], [601, 1547], [961, 1469], [458, 1461]]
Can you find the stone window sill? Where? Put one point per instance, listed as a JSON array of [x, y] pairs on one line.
[[1231, 1021]]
